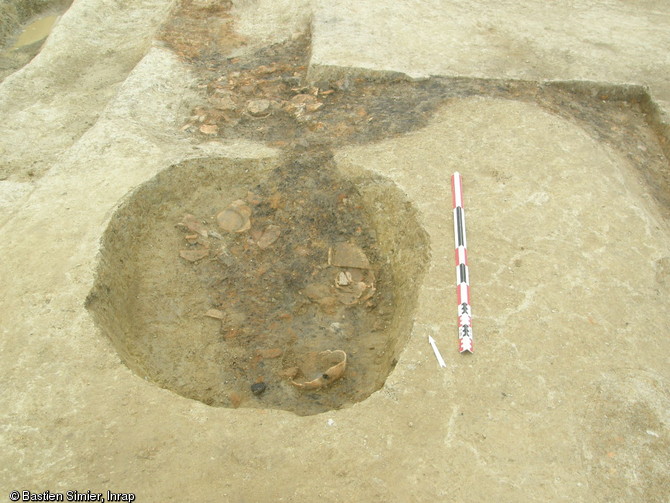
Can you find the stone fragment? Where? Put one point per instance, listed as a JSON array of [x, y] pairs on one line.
[[258, 388], [343, 279], [215, 313], [259, 108]]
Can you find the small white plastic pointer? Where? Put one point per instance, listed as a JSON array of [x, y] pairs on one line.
[[440, 360]]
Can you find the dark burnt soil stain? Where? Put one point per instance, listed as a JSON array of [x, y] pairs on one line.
[[282, 301], [266, 96]]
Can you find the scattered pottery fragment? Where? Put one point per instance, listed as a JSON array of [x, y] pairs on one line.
[[354, 286], [270, 353], [269, 236], [215, 313], [316, 291], [193, 224], [265, 70], [348, 255], [360, 274], [352, 294], [301, 103], [210, 129], [329, 376], [194, 255], [321, 294], [223, 101], [235, 218]]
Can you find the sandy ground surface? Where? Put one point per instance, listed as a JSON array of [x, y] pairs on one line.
[[567, 396]]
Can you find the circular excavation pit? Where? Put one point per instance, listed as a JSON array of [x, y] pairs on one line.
[[261, 284]]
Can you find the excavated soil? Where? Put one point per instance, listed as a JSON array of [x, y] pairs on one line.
[[268, 322]]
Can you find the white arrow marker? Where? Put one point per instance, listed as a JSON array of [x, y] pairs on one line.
[[440, 360]]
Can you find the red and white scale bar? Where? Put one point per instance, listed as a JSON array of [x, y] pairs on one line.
[[462, 273]]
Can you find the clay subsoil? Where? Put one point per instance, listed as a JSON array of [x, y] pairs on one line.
[[207, 221]]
